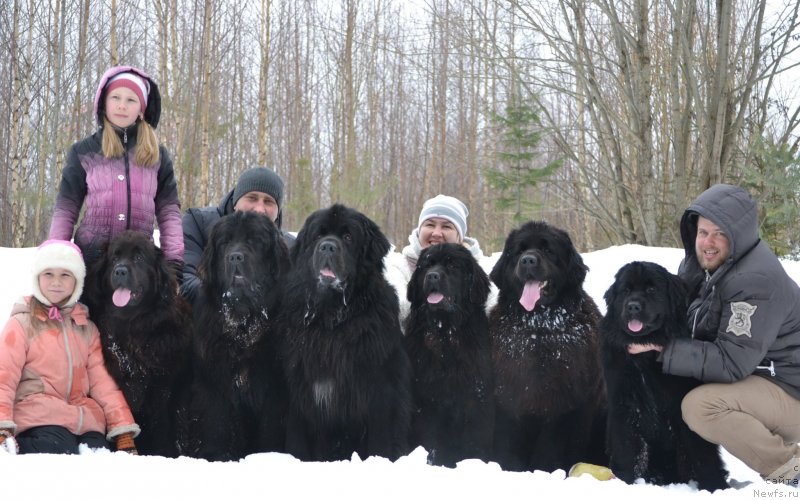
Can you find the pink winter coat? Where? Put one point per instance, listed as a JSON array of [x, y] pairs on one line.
[[56, 376]]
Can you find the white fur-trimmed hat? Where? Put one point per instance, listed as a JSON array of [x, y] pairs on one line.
[[59, 254], [446, 207]]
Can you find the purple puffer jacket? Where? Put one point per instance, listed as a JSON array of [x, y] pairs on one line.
[[118, 194]]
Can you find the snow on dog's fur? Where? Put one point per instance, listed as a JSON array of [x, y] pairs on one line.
[[546, 354], [145, 330], [647, 437], [239, 397]]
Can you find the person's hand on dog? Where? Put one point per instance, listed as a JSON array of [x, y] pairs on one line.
[[640, 348]]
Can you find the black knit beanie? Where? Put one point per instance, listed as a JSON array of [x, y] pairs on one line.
[[259, 179]]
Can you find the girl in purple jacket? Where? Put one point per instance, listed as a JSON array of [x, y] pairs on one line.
[[120, 173]]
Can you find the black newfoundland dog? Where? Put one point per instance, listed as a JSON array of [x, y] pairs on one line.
[[447, 340], [146, 335], [546, 353], [647, 437], [348, 374], [239, 398]]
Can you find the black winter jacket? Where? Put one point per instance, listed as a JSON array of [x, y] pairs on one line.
[[197, 225], [745, 317]]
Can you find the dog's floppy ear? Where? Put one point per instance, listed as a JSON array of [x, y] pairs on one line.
[[165, 279], [613, 292], [300, 242], [575, 264], [282, 255], [478, 284], [378, 243], [413, 291], [678, 292], [498, 271], [205, 270], [95, 281]]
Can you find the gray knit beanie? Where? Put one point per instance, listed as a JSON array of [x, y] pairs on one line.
[[446, 207], [261, 179]]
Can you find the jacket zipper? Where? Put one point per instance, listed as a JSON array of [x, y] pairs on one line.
[[770, 368], [694, 320], [127, 176], [68, 351], [70, 370]]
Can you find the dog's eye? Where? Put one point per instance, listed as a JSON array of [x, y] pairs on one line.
[[651, 289], [347, 237], [138, 257]]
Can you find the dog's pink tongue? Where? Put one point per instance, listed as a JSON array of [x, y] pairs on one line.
[[635, 325], [435, 298], [121, 297], [530, 295], [327, 273]]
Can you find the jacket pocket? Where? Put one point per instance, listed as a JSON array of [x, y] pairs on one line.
[[30, 383]]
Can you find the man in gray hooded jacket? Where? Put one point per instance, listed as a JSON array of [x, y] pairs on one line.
[[745, 320]]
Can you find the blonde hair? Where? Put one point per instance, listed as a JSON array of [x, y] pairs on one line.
[[146, 154]]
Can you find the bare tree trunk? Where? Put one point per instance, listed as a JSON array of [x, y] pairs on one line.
[[720, 94], [434, 180], [350, 173], [113, 35], [205, 105], [18, 216], [263, 83], [683, 96]]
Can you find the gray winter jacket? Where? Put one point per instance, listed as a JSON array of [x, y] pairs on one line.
[[745, 317]]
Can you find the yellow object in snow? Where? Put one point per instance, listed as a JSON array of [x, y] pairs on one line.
[[596, 471]]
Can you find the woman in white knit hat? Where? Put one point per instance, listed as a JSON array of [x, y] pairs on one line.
[[443, 219]]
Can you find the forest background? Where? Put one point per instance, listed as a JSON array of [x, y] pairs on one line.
[[604, 117]]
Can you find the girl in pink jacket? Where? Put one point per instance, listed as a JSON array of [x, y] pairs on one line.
[[55, 392]]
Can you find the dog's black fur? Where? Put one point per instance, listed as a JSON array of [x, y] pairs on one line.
[[647, 436], [447, 340], [548, 380], [348, 374], [146, 338], [239, 399]]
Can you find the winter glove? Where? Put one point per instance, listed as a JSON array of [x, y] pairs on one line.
[[125, 443], [7, 442]]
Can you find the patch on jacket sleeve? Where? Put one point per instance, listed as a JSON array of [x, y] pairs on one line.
[[740, 323]]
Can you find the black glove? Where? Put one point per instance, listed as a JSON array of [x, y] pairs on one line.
[[177, 271]]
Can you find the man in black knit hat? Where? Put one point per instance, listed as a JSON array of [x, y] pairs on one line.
[[258, 189]]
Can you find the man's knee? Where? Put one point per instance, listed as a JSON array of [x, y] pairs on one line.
[[696, 408]]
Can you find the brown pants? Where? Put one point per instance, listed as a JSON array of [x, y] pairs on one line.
[[754, 419]]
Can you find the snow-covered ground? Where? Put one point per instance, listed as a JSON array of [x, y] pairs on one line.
[[277, 476]]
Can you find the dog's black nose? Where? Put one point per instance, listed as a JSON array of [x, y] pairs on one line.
[[236, 257], [328, 246], [634, 307], [529, 260], [121, 271], [433, 276]]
